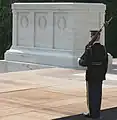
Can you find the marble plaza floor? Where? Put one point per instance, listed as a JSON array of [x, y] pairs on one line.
[[51, 94]]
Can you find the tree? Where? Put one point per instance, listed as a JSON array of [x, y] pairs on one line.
[[111, 35], [5, 28]]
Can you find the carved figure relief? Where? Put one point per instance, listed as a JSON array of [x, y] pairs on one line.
[[24, 21], [42, 22], [62, 23]]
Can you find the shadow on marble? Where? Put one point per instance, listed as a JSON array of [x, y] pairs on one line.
[[107, 114]]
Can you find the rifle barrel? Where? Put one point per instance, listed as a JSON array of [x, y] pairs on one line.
[[94, 38]]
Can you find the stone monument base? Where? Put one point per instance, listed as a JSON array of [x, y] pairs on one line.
[[61, 58], [23, 61], [29, 59]]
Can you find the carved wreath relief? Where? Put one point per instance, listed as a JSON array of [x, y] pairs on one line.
[[61, 23], [42, 22], [24, 21]]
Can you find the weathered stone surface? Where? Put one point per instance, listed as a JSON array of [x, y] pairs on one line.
[[52, 96]]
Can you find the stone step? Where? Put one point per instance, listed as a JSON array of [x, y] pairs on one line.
[[14, 66]]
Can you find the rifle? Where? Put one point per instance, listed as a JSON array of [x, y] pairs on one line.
[[95, 36], [82, 60]]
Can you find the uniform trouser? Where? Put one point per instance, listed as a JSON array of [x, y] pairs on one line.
[[94, 96]]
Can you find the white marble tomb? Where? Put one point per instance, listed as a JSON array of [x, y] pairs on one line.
[[52, 34]]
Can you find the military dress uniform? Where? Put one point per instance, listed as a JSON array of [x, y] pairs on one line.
[[95, 58]]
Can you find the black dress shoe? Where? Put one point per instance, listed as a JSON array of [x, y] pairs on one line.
[[87, 115]]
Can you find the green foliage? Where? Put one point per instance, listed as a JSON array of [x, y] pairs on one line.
[[111, 35], [5, 29]]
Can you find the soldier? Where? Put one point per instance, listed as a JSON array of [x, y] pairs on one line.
[[95, 58]]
